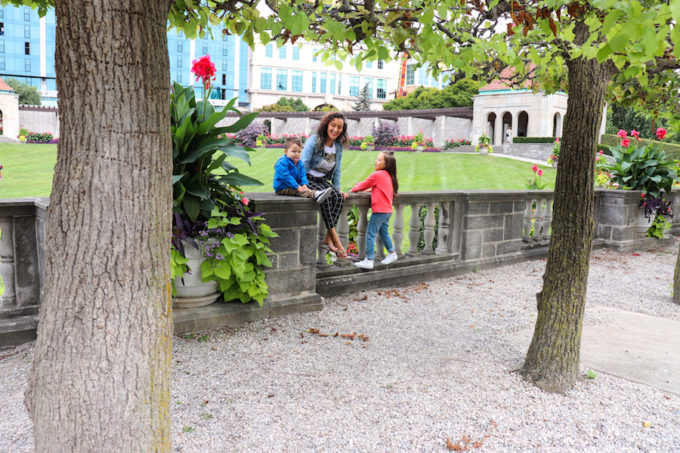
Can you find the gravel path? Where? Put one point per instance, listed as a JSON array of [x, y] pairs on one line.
[[434, 366]]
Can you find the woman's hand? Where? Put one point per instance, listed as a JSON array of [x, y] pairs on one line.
[[345, 195]]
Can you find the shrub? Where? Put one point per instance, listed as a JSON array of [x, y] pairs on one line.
[[385, 133], [39, 137], [451, 143], [533, 140], [248, 136]]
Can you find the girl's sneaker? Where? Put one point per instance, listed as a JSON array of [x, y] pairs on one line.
[[390, 258], [365, 264]]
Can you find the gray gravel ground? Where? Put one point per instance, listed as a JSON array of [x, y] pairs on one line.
[[435, 367]]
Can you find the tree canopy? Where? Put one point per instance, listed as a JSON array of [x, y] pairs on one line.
[[285, 104], [459, 94], [28, 94]]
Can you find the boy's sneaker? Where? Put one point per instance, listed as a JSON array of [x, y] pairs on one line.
[[365, 264], [390, 258], [321, 195]]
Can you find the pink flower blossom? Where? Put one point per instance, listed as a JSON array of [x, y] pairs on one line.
[[635, 134], [534, 168], [601, 152], [661, 133], [622, 134], [204, 70], [539, 172], [245, 201], [625, 142]]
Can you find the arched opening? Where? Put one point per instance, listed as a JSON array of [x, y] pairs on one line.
[[268, 125], [522, 124], [507, 128], [557, 125], [491, 127]]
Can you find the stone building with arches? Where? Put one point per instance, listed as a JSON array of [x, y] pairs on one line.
[[502, 112], [9, 112]]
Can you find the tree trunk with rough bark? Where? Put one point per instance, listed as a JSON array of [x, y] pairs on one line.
[[100, 379], [552, 362], [676, 281]]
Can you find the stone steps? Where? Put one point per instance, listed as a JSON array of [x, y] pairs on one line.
[[18, 330]]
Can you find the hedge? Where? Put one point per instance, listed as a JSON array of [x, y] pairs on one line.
[[533, 140], [672, 149]]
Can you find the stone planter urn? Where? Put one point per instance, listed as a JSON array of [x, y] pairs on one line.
[[483, 150], [191, 291]]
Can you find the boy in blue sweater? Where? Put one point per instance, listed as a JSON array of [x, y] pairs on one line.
[[289, 174]]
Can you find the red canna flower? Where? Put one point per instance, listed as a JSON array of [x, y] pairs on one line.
[[539, 172], [534, 168], [245, 201], [661, 133], [625, 142], [622, 134], [635, 134], [204, 70]]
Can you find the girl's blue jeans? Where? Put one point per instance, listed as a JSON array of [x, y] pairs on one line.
[[378, 224]]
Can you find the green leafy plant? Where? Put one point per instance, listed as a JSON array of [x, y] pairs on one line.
[[535, 181], [658, 227]]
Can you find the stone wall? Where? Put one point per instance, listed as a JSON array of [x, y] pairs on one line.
[[40, 119]]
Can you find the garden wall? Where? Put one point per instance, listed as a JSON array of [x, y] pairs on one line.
[[437, 234], [39, 119]]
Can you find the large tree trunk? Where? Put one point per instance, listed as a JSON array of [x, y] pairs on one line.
[[101, 374], [552, 362], [676, 281]]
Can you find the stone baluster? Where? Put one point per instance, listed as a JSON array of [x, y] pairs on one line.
[[379, 249], [443, 231], [343, 226], [526, 225], [361, 230], [398, 236], [539, 220], [547, 223], [428, 234], [414, 231], [321, 229], [8, 296]]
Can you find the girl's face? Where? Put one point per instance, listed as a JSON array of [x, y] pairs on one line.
[[335, 128], [380, 162]]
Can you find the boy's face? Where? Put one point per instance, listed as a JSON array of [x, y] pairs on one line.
[[294, 152]]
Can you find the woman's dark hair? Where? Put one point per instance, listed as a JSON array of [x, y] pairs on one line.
[[322, 131], [391, 168]]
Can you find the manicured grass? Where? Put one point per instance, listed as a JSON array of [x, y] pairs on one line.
[[28, 170], [417, 172]]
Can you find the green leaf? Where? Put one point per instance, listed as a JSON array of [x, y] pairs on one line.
[[235, 151], [206, 145], [191, 206], [239, 179], [242, 123], [176, 178], [212, 120]]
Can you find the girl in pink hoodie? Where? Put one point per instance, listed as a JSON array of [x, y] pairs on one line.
[[384, 186]]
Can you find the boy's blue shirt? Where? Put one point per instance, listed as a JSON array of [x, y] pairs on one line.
[[287, 175]]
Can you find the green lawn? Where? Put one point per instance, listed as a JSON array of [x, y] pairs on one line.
[[28, 170]]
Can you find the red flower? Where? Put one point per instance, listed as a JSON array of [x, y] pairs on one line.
[[625, 142], [635, 134], [661, 133], [534, 168], [539, 172], [204, 69], [245, 201], [622, 134]]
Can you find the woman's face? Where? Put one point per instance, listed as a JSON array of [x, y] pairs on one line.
[[335, 128]]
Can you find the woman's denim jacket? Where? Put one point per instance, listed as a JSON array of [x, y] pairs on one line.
[[311, 157]]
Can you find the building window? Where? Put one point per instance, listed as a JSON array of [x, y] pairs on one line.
[[282, 52], [313, 82], [179, 61], [369, 65], [314, 57], [339, 84], [180, 47], [322, 82], [2, 28], [410, 74], [422, 77], [296, 81], [368, 83], [224, 79], [204, 49], [354, 86], [269, 50], [282, 79], [332, 90], [266, 78], [381, 89], [225, 51], [296, 53], [27, 65], [27, 31], [2, 12], [2, 46], [179, 77], [27, 48], [2, 62], [381, 64], [225, 65], [27, 14]]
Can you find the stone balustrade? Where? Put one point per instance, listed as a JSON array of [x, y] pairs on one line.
[[436, 234]]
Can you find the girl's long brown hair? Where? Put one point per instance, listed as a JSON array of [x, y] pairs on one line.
[[391, 168], [322, 131]]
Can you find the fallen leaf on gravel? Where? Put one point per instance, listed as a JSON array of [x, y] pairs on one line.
[[646, 424], [451, 446], [347, 335], [636, 254]]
